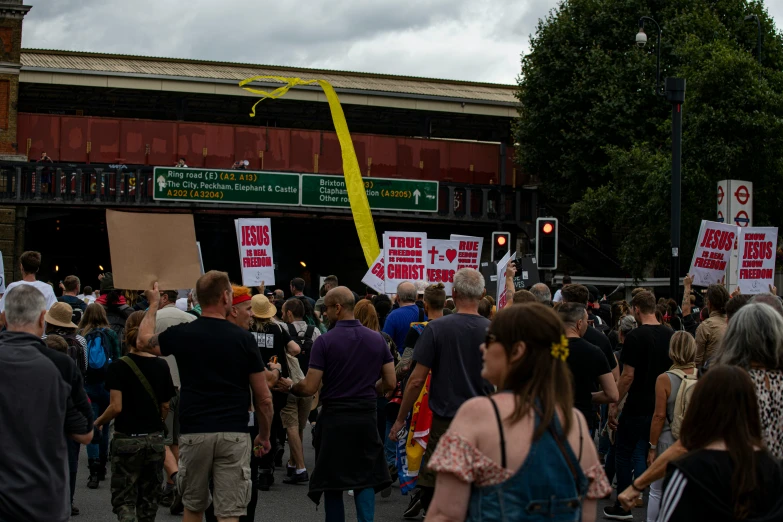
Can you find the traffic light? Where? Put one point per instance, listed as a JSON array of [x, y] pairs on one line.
[[501, 245], [546, 243]]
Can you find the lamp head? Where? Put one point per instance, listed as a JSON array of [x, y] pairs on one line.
[[750, 17], [641, 37]]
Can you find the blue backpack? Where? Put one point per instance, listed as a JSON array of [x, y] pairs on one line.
[[98, 355]]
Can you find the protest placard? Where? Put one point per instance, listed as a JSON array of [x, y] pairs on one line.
[[374, 276], [757, 248], [714, 246], [254, 237], [501, 291], [469, 251], [403, 253], [442, 262], [136, 240]]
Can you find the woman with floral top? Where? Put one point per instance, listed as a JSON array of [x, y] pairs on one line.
[[525, 453]]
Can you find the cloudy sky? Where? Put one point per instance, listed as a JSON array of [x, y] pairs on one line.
[[478, 40]]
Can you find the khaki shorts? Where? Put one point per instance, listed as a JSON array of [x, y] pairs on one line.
[[226, 457], [296, 411]]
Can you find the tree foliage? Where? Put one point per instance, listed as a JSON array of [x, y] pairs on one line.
[[599, 139]]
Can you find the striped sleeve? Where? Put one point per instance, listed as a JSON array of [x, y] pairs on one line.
[[672, 495]]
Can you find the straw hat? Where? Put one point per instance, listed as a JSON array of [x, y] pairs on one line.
[[262, 308], [60, 315]]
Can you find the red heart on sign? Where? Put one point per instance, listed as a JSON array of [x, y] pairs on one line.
[[451, 255]]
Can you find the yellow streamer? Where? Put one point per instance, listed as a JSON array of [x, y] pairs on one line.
[[357, 197]]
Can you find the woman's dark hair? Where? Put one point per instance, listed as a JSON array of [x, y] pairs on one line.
[[538, 374], [619, 310], [94, 317], [383, 305], [132, 329], [485, 308], [724, 408]]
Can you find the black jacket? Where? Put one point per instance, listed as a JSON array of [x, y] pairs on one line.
[[701, 484]]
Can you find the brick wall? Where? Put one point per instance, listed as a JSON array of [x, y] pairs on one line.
[[10, 52]]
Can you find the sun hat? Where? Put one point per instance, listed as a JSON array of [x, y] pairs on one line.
[[262, 308], [60, 315]]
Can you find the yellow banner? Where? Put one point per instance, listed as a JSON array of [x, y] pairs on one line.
[[360, 207]]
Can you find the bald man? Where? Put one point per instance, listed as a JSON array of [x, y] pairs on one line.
[[398, 322], [355, 366]]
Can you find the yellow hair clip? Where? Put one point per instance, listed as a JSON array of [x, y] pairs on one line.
[[560, 350]]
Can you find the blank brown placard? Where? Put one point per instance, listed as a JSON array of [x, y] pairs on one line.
[[153, 247]]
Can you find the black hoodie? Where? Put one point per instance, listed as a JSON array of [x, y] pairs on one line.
[[698, 487]]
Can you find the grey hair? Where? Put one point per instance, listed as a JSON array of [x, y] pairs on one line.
[[571, 313], [769, 299], [541, 292], [406, 292], [754, 335], [626, 324], [469, 284], [23, 305]]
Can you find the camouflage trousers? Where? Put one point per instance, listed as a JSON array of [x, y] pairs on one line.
[[136, 471]]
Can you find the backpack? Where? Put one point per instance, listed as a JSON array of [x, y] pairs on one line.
[[305, 343], [117, 316], [76, 352], [98, 355], [683, 399]]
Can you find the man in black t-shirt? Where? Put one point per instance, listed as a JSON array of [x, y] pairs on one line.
[[579, 294], [588, 365], [645, 356], [217, 362]]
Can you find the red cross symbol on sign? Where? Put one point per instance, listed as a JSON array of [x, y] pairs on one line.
[[720, 194], [742, 194]]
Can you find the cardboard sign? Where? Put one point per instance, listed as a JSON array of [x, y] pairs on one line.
[[714, 247], [501, 290], [757, 249], [254, 237], [469, 251], [136, 240], [404, 256], [374, 276], [442, 262]]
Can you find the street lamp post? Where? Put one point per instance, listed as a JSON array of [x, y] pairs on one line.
[[674, 91], [758, 39]]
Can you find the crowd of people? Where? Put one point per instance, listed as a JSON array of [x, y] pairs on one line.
[[528, 412]]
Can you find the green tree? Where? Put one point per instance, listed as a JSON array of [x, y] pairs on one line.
[[598, 138]]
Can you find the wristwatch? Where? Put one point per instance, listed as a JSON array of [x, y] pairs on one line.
[[653, 446]]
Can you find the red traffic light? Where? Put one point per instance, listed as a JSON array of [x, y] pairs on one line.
[[548, 228], [501, 240]]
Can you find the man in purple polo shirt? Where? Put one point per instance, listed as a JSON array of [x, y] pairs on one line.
[[356, 367]]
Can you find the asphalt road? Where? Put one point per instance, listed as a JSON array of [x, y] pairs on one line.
[[283, 503]]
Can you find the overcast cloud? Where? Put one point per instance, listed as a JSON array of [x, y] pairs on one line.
[[477, 40]]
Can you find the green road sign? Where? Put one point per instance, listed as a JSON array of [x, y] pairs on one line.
[[382, 193], [225, 186]]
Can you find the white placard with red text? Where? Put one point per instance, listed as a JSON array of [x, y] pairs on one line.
[[757, 248], [469, 251], [714, 247], [254, 237], [502, 264], [442, 262], [374, 276], [404, 255]]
